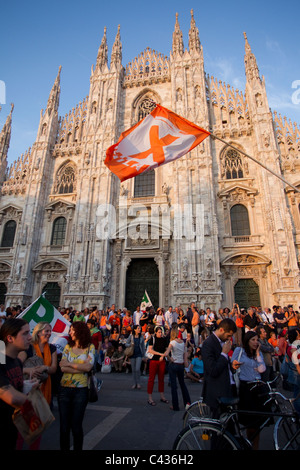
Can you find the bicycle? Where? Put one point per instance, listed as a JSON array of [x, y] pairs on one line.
[[286, 435], [205, 433], [198, 409]]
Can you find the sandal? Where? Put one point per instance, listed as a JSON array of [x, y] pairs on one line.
[[164, 400], [151, 403]]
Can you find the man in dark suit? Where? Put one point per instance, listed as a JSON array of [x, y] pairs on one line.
[[217, 369]]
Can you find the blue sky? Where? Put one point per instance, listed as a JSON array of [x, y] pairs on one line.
[[37, 37]]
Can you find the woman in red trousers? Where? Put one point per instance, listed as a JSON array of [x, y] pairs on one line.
[[157, 365]]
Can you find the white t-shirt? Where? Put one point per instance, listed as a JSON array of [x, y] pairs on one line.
[[136, 317]]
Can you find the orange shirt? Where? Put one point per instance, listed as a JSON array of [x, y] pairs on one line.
[[274, 342], [292, 321], [103, 320]]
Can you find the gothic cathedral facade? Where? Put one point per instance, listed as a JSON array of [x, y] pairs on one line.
[[70, 229]]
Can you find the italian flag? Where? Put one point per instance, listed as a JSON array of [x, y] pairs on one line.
[[146, 302], [41, 310]]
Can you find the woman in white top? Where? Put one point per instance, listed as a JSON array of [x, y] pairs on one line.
[[177, 361], [159, 318]]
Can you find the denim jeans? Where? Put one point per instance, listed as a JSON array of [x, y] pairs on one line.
[[296, 395], [176, 371], [136, 369], [72, 402]]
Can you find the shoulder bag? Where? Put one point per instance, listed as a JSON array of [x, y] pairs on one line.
[[238, 371], [148, 354], [92, 385], [129, 350], [35, 361]]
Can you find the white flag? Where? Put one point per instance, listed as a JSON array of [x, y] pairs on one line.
[[161, 137]]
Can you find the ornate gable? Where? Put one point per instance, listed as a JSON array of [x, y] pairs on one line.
[[238, 193], [10, 211], [60, 207], [149, 67]]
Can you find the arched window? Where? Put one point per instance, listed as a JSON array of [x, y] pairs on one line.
[[65, 180], [144, 184], [233, 165], [9, 232], [239, 221], [145, 108], [59, 231]]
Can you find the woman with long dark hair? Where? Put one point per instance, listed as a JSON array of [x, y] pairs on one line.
[[137, 339], [77, 360], [158, 344], [15, 334], [252, 365]]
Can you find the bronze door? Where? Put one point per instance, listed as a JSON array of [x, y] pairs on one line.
[[3, 291], [246, 293], [142, 274], [52, 293]]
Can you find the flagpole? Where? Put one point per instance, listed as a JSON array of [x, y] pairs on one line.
[[256, 161]]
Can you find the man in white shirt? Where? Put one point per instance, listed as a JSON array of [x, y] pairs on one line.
[[169, 317], [112, 311], [137, 316], [268, 320], [210, 319]]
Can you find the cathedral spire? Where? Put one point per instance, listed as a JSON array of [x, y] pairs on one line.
[[251, 68], [4, 144], [177, 45], [53, 100], [116, 54], [102, 52], [194, 41]]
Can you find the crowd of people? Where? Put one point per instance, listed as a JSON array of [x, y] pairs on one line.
[[184, 345]]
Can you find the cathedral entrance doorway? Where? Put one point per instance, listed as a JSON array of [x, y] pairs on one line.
[[142, 274], [246, 293], [52, 293], [3, 291]]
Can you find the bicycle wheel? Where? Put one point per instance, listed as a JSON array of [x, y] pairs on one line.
[[287, 434], [196, 411], [205, 436]]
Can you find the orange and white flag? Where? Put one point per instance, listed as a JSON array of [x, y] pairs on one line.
[[159, 138]]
